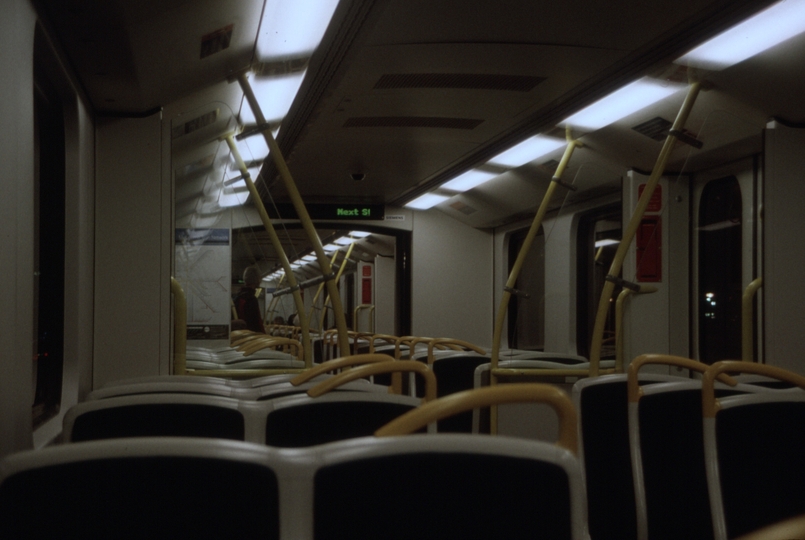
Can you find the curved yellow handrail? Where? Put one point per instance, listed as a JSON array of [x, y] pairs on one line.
[[237, 334], [785, 530], [633, 385], [486, 397], [710, 404], [338, 363], [269, 342], [389, 366], [382, 337], [455, 344], [747, 339], [244, 340]]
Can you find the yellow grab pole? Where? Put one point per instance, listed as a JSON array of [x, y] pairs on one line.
[[747, 318], [304, 217], [318, 291], [275, 241], [631, 230], [518, 264], [179, 329], [619, 322], [337, 278]]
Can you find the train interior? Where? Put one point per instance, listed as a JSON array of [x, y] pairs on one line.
[[151, 141]]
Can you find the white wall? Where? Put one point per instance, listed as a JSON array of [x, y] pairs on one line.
[[17, 224], [452, 276], [784, 256], [657, 322], [132, 263], [385, 289]]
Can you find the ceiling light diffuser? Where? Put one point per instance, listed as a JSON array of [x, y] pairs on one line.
[[526, 151], [621, 103], [468, 180], [359, 234], [426, 201], [275, 95], [771, 26], [292, 29]]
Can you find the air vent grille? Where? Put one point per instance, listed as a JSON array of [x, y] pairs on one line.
[[656, 128], [413, 122], [469, 81], [195, 124], [216, 41], [463, 208]]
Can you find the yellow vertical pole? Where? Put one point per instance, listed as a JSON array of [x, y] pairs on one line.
[[631, 230], [747, 339], [337, 279], [179, 329], [304, 217], [318, 291], [275, 241], [518, 264]]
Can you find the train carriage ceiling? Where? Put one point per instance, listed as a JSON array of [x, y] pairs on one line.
[[410, 93]]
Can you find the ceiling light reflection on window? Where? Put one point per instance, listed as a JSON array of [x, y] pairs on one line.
[[771, 26], [293, 28], [526, 151], [621, 103]]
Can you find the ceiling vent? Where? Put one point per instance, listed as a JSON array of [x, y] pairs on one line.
[[465, 209], [413, 122], [216, 41], [469, 81], [195, 124], [656, 128]]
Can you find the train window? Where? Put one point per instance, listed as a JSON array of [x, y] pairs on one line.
[[599, 233], [720, 258], [527, 314], [49, 223]]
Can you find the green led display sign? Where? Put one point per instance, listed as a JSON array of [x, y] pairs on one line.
[[328, 211]]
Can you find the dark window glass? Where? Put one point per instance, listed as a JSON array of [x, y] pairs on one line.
[[49, 240], [599, 234], [719, 293]]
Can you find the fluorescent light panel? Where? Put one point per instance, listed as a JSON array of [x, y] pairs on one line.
[[621, 103], [467, 181], [527, 151], [254, 148], [768, 28], [344, 241], [329, 248], [359, 234], [426, 201], [293, 28], [275, 96]]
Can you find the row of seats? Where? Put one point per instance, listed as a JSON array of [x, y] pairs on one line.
[[281, 410], [414, 486], [706, 463]]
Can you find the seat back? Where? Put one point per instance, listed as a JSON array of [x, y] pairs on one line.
[[145, 488], [756, 443], [301, 421], [152, 415], [447, 487], [753, 446], [604, 453]]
